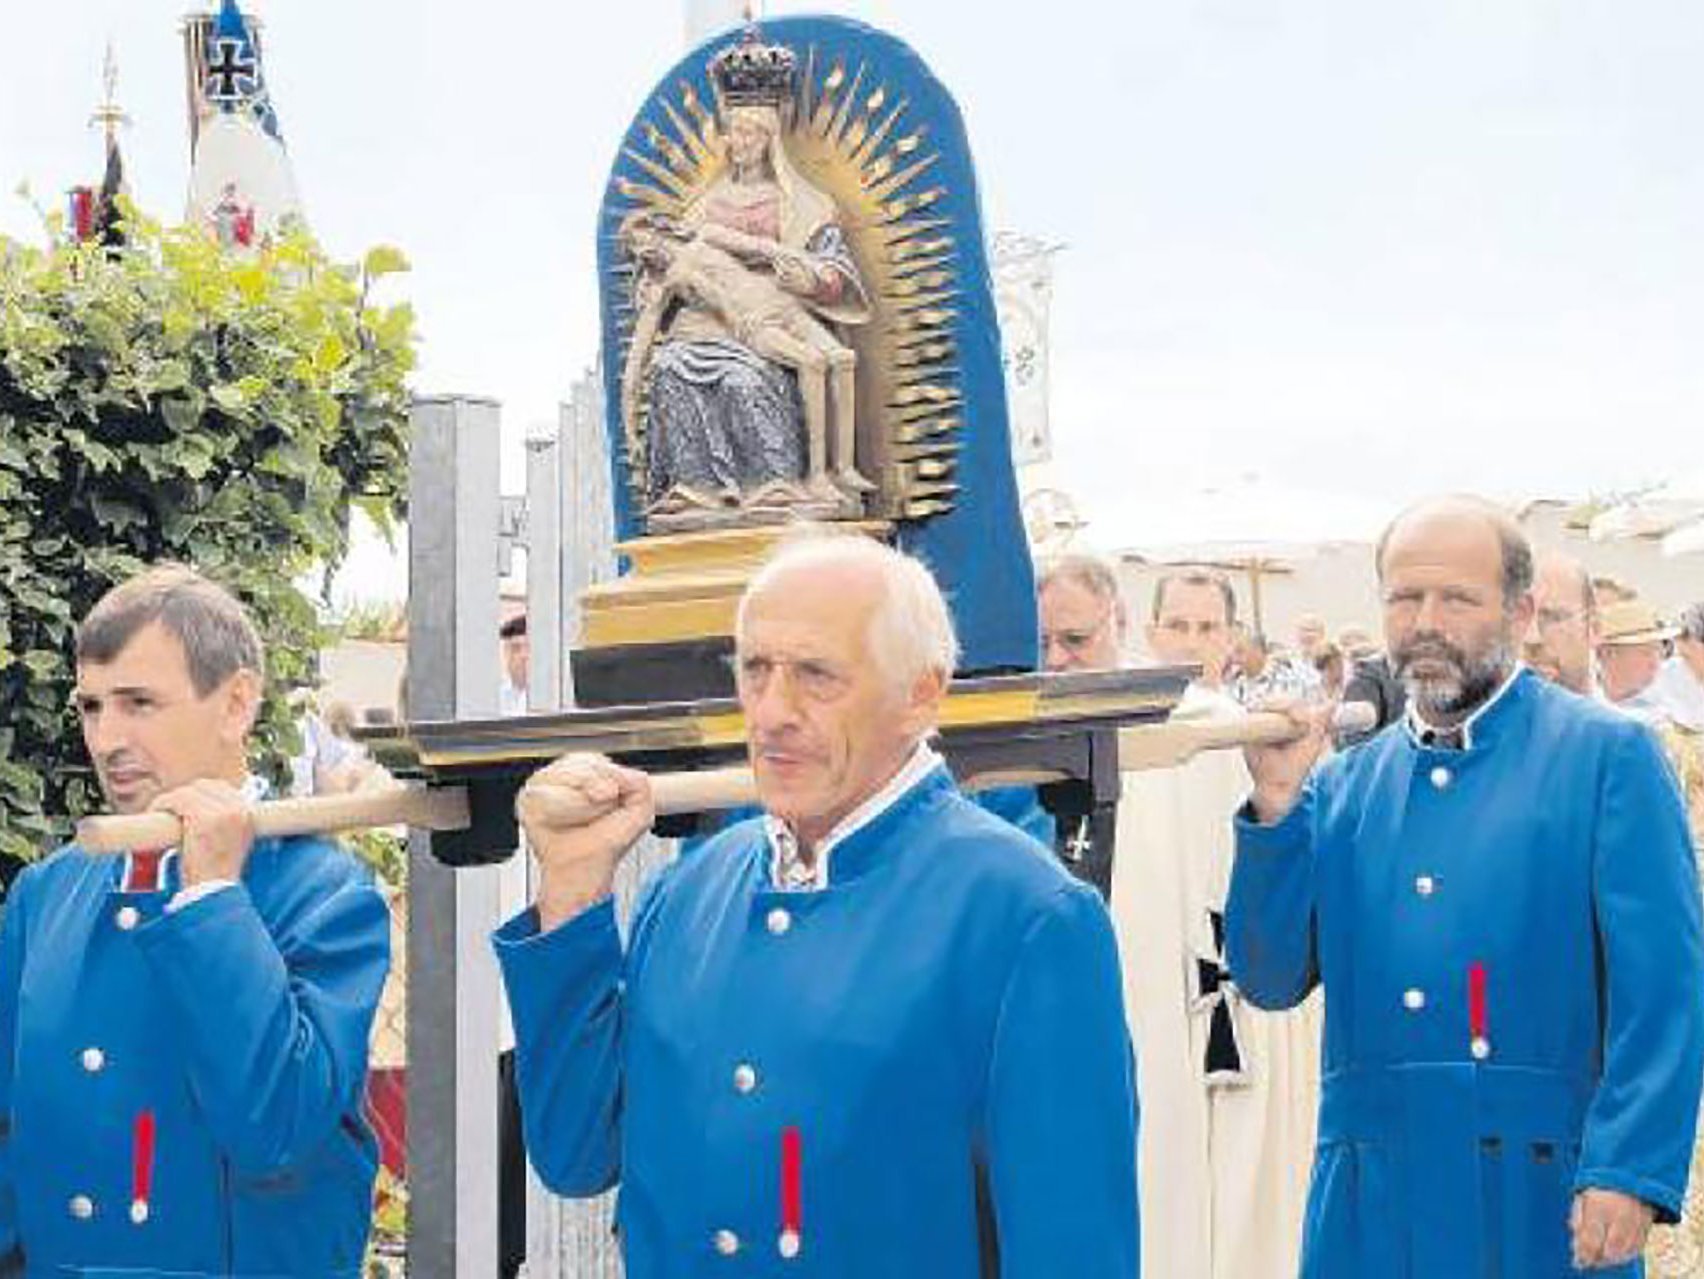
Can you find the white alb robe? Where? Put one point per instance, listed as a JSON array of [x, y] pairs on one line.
[[1223, 1167]]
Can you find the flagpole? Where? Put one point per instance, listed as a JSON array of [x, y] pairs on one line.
[[194, 29], [108, 114]]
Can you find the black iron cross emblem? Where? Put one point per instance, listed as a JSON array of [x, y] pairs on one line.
[[230, 73], [1214, 991]]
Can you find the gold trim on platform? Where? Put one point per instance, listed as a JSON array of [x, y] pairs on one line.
[[654, 622], [969, 709], [1020, 701], [685, 586]]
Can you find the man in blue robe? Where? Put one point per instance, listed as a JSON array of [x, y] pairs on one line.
[[183, 1033], [1498, 896], [872, 1032]]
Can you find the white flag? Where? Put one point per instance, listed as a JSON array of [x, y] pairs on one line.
[[1023, 290], [240, 186]]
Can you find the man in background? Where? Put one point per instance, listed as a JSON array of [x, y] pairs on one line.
[[1260, 674], [1083, 622], [1311, 637], [517, 665], [1562, 641], [1631, 644], [1680, 683], [1229, 1091]]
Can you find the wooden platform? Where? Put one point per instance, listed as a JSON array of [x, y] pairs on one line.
[[1013, 727]]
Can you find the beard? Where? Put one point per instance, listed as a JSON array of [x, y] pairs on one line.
[[1466, 679]]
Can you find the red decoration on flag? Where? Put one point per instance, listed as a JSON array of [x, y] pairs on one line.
[[82, 213]]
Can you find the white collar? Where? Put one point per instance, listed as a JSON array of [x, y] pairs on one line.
[[1417, 725], [784, 845]]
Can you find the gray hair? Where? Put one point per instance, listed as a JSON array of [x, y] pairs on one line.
[[911, 630], [218, 636], [1511, 538], [1090, 572]]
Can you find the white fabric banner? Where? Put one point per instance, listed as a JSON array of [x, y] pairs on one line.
[[1023, 291]]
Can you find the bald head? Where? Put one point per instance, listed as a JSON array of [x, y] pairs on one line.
[[1459, 519]]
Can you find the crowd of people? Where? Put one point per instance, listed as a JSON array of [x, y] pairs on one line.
[[1431, 1002]]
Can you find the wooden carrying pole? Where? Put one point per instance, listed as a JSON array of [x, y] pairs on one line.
[[1141, 747], [427, 809]]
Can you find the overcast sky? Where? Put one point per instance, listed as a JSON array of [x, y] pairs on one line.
[[1370, 247]]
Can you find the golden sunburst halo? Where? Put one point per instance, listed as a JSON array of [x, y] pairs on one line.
[[855, 141]]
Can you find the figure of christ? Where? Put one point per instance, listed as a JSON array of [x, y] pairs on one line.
[[704, 272]]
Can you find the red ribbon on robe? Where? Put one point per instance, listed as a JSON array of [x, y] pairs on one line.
[[792, 1179], [1478, 1016], [142, 1166]]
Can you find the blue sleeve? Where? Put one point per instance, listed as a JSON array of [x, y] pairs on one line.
[[1270, 929], [275, 1026], [1639, 1130], [567, 990], [1021, 807], [12, 929], [1060, 1121]]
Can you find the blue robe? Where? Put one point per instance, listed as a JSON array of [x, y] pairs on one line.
[[1509, 941], [237, 1025], [942, 1022]]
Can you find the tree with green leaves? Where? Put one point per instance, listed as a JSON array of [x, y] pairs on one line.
[[171, 400]]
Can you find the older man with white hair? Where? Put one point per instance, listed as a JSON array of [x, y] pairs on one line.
[[1680, 683], [871, 1032]]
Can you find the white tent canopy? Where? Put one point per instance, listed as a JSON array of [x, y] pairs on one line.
[[1673, 511]]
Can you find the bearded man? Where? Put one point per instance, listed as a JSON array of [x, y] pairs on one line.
[[1498, 895]]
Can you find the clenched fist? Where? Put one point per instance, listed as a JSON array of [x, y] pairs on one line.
[[1280, 770], [218, 830], [581, 814], [1608, 1228]]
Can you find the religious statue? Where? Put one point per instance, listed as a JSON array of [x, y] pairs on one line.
[[798, 324], [751, 395]]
